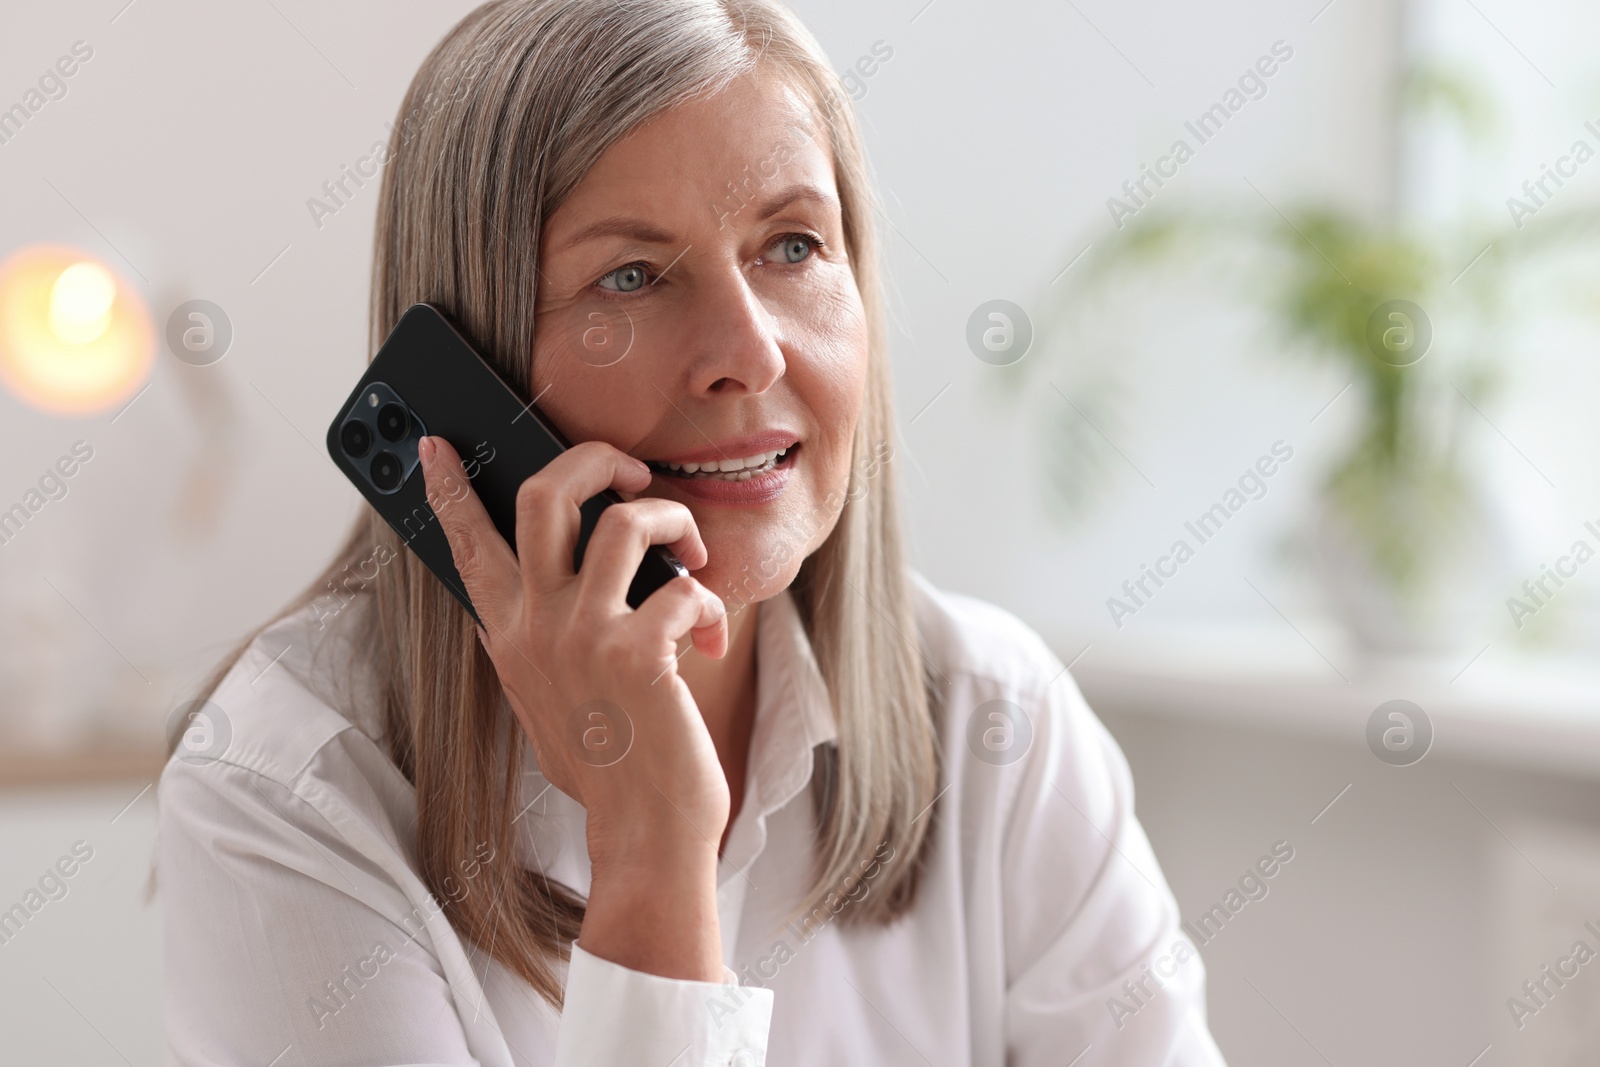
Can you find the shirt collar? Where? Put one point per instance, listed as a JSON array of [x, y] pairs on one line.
[[794, 712]]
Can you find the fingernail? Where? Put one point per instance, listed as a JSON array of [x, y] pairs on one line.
[[425, 451]]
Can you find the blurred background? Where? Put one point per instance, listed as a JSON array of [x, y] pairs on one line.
[[1308, 289]]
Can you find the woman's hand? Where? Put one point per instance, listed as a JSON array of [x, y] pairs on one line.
[[561, 642]]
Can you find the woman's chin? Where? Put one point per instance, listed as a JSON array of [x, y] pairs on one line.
[[746, 576]]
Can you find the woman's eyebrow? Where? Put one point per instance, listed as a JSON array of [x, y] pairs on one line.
[[796, 194], [645, 233], [620, 226]]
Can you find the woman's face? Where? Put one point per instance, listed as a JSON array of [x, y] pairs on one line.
[[698, 311]]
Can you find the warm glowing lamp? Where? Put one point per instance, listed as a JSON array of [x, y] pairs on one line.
[[73, 339]]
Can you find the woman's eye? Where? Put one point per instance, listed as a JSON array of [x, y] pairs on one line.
[[624, 279], [794, 248]]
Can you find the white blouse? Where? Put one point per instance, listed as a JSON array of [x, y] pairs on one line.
[[298, 930]]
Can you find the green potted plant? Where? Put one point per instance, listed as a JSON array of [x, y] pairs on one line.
[[1401, 514]]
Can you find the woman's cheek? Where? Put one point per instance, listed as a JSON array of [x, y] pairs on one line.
[[835, 404], [829, 305], [609, 396], [826, 328]]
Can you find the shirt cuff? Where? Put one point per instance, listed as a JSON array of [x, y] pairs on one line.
[[612, 1014]]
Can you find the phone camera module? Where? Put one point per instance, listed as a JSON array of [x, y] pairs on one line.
[[394, 422], [386, 471], [356, 438]]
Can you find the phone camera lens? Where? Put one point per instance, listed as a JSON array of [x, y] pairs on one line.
[[393, 422], [386, 471], [356, 438]]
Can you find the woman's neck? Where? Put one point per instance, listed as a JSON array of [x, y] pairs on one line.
[[725, 692]]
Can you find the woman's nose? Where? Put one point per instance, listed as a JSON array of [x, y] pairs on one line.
[[736, 347]]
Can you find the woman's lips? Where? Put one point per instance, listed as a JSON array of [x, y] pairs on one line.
[[760, 487]]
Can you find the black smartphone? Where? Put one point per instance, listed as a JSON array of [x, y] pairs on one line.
[[428, 380]]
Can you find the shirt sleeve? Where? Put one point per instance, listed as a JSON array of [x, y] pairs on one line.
[[615, 1015], [278, 948], [286, 944], [1097, 965]]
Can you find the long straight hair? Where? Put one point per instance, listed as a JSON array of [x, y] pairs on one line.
[[500, 124]]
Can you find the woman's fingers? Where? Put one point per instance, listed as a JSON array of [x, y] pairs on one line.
[[483, 559], [548, 502], [684, 606], [620, 539]]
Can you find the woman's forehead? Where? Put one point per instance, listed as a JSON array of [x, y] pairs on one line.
[[759, 130]]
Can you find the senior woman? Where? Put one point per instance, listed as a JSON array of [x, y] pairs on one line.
[[800, 808]]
